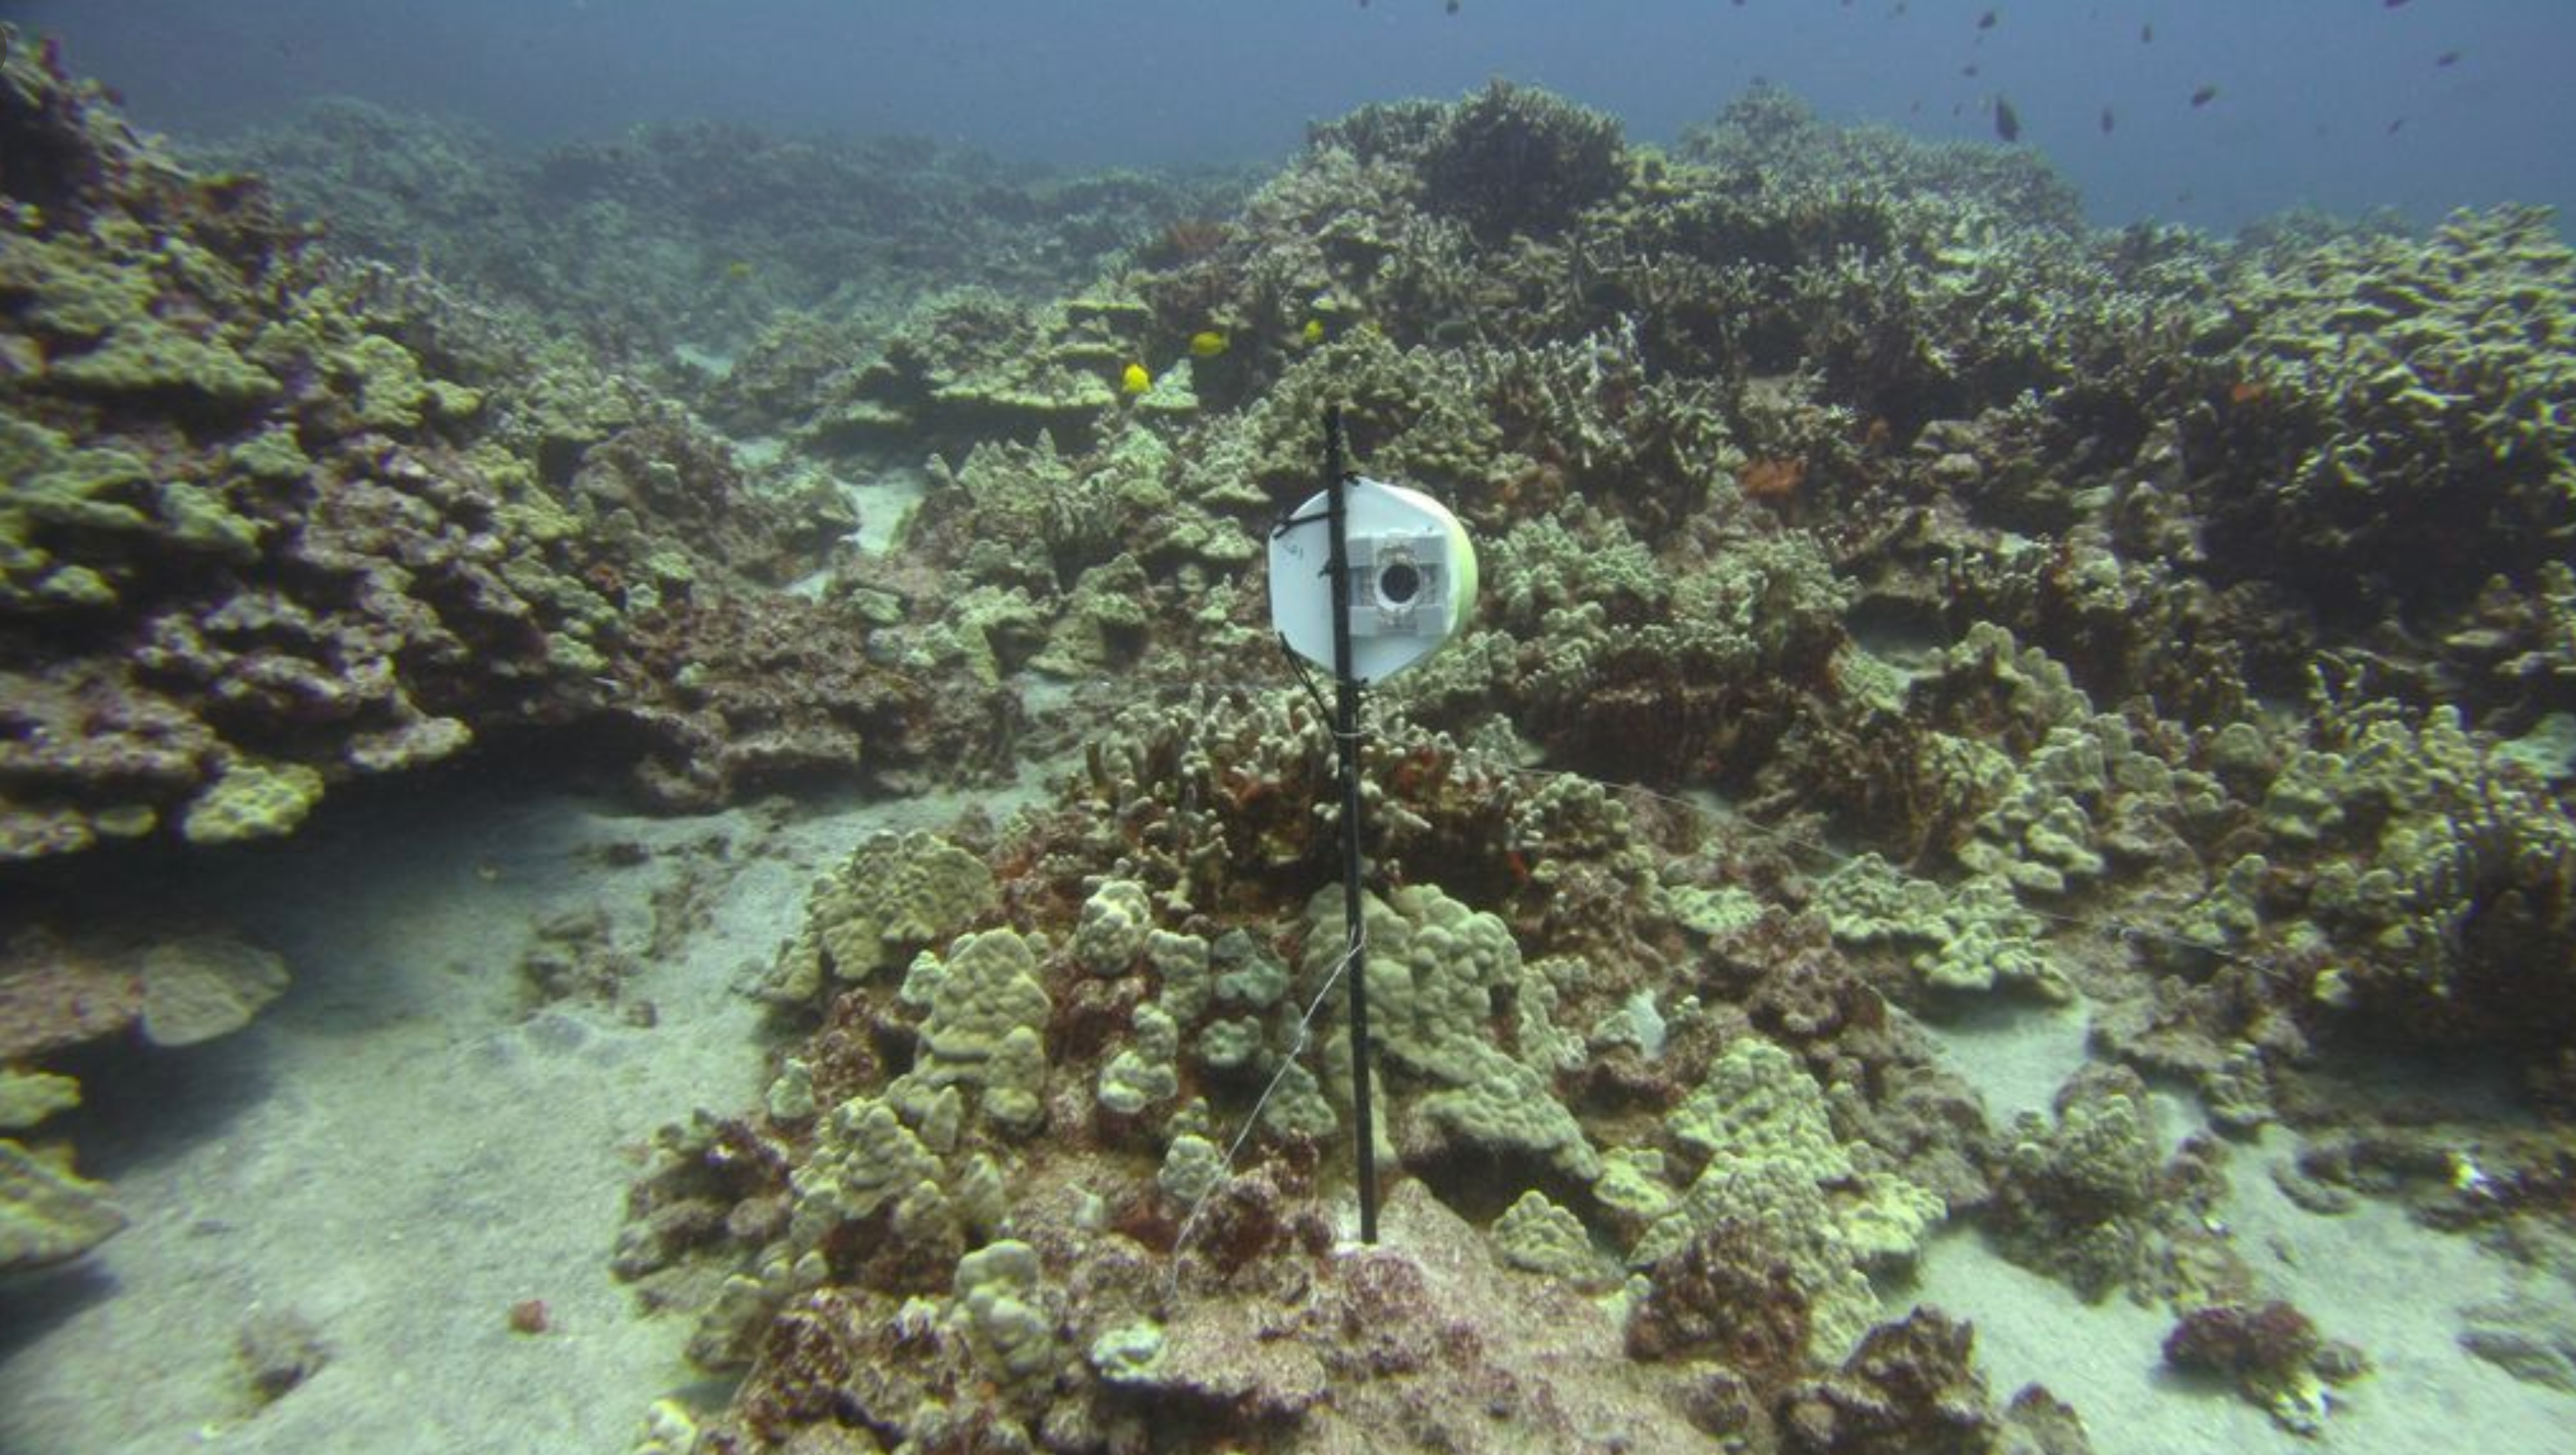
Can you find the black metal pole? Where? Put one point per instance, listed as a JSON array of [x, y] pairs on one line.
[[1346, 733]]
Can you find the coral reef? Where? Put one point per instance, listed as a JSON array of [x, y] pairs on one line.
[[2407, 396], [60, 995], [48, 1213], [697, 236], [1902, 599], [896, 895], [274, 522], [1873, 489], [1064, 1070]]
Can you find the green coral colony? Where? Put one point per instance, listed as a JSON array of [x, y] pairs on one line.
[[2099, 599]]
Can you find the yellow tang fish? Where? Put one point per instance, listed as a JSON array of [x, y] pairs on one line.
[[1135, 380], [1207, 343]]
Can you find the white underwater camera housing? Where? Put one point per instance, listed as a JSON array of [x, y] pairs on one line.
[[1412, 574]]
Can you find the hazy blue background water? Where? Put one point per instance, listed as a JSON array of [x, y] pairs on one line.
[[2307, 89]]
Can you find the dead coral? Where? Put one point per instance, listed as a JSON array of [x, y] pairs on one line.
[[2271, 1352], [1910, 1389], [1728, 1298], [2080, 1198]]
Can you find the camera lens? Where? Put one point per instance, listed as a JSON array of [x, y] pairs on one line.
[[1398, 583]]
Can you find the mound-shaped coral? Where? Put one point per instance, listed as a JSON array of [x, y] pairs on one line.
[[273, 522]]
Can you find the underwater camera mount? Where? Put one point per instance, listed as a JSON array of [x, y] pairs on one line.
[[1366, 578]]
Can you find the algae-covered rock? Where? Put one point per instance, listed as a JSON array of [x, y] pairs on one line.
[[153, 358], [1913, 1385], [252, 801], [28, 1097], [47, 1213], [386, 380], [205, 986], [1128, 1353]]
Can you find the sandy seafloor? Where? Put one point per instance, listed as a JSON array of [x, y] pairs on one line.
[[400, 1150]]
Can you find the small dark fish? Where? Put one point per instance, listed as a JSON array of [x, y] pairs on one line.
[[2007, 120], [2447, 58], [1451, 7], [2107, 122], [1969, 69], [1986, 21], [2394, 4], [2147, 33], [2204, 96], [2397, 126]]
